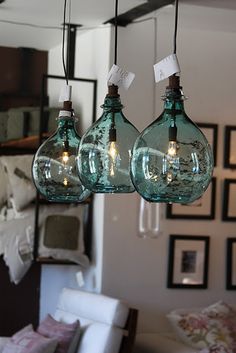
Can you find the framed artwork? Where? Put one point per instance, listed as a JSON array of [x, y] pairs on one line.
[[231, 264], [230, 147], [203, 208], [229, 201], [211, 133], [188, 261]]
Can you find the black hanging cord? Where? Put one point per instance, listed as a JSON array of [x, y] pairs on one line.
[[68, 39], [63, 42], [176, 23], [116, 30]]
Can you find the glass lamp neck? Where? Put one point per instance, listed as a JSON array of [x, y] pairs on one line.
[[112, 99], [174, 99], [65, 122]]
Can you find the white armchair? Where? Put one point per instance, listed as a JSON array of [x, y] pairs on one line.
[[107, 324]]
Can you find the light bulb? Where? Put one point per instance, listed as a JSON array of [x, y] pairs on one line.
[[172, 160], [65, 157], [113, 152], [105, 150], [54, 166], [172, 149]]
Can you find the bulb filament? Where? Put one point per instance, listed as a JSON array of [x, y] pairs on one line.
[[113, 152]]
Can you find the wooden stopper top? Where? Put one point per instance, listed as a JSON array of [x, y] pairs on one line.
[[174, 82], [113, 91], [67, 105]]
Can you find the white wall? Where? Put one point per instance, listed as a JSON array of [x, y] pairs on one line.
[[136, 269], [92, 61]]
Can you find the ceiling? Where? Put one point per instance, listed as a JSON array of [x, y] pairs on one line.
[[89, 13]]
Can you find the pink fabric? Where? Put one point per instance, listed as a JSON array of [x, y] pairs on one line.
[[30, 342], [213, 328], [21, 333], [64, 333]]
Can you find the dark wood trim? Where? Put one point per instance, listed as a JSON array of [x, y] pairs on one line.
[[19, 304], [139, 11], [127, 343], [71, 47]]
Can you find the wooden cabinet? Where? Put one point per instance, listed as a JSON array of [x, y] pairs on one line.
[[21, 74]]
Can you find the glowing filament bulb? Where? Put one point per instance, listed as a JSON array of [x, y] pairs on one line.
[[65, 157], [172, 149], [65, 182], [113, 152]]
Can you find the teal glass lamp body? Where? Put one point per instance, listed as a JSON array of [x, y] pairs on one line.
[[105, 150], [54, 166], [166, 169]]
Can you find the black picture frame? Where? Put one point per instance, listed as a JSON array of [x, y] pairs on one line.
[[229, 197], [201, 209], [188, 261], [211, 133], [229, 155], [231, 264]]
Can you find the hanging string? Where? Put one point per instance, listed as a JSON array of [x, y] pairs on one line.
[[69, 33], [154, 61], [63, 42], [176, 24], [116, 32]]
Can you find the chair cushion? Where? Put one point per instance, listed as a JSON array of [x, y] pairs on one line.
[[28, 341], [92, 307], [64, 333]]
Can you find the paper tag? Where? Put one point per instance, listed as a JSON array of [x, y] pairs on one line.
[[80, 279], [120, 77], [65, 94], [166, 67]]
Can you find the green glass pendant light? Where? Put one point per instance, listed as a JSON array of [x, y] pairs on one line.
[[172, 160], [54, 167], [105, 149]]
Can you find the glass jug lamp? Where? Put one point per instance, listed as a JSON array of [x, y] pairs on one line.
[[105, 149], [172, 160], [54, 166]]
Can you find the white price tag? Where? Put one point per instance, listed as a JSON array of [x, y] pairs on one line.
[[65, 94], [166, 67], [120, 77], [80, 279]]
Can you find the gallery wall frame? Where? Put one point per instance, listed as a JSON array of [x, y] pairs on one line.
[[231, 264], [201, 209], [211, 133], [229, 200], [230, 147], [188, 261]]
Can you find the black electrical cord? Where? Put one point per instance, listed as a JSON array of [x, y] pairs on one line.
[[116, 32], [176, 23], [63, 42]]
